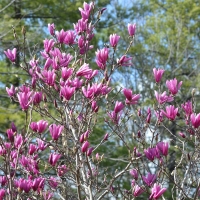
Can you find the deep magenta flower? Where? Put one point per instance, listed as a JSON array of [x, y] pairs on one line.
[[55, 131], [66, 73], [2, 193], [92, 91], [24, 99], [187, 107], [41, 144], [195, 120], [157, 192], [171, 112], [158, 73], [130, 98], [70, 37], [49, 77], [131, 29], [10, 91], [151, 153], [114, 39], [10, 134], [61, 36], [115, 117], [37, 98], [81, 26], [124, 61], [163, 98], [149, 179], [89, 151], [163, 147], [11, 54], [173, 86], [51, 28], [118, 106], [53, 182], [38, 184], [137, 190], [62, 169], [48, 44], [53, 158], [134, 173], [67, 92], [85, 146], [85, 12], [32, 149], [94, 106], [84, 70], [102, 57], [18, 141]]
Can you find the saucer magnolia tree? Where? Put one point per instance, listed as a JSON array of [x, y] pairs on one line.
[[55, 157]]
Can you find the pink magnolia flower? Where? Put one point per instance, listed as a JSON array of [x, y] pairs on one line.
[[3, 181], [10, 134], [61, 36], [66, 73], [11, 54], [24, 99], [81, 26], [89, 151], [131, 29], [48, 44], [49, 77], [151, 153], [85, 12], [171, 112], [41, 144], [94, 106], [102, 57], [134, 173], [51, 28], [137, 190], [187, 107], [67, 92], [37, 98], [182, 134], [118, 107], [62, 170], [55, 131], [158, 73], [130, 98], [195, 120], [149, 179], [163, 98], [32, 149], [38, 184], [18, 141], [85, 146], [92, 91], [173, 86], [53, 182], [84, 70], [115, 117], [2, 193], [10, 91], [124, 61], [163, 147], [53, 158], [156, 192], [70, 37], [114, 39]]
